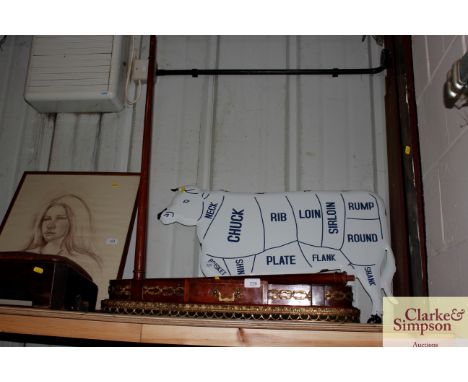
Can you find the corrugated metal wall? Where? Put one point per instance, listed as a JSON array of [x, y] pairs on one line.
[[269, 133]]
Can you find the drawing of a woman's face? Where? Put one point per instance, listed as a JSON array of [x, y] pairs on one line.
[[55, 224]]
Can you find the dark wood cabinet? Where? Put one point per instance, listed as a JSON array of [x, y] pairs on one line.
[[45, 281]]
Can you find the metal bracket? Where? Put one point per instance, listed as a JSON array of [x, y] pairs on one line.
[[456, 86]]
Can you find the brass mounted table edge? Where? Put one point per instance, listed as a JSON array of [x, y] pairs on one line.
[[231, 311]]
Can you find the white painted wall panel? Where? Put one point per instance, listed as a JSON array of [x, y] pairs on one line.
[[23, 132], [337, 130], [179, 108], [249, 127], [271, 133], [444, 144]]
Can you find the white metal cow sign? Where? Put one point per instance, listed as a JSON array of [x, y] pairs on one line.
[[291, 232]]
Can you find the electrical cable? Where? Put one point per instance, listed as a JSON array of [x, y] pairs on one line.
[[129, 73]]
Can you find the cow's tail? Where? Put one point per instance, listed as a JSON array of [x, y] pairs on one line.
[[387, 275]]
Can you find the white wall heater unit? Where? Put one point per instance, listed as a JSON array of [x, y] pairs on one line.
[[77, 74]]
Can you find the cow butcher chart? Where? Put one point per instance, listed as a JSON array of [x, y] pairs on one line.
[[293, 232]]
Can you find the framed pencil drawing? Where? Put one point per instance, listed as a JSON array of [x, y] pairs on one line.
[[85, 217]]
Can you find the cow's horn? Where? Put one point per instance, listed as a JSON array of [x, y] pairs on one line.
[[159, 215]]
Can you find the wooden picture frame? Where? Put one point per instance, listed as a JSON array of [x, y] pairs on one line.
[[83, 216]]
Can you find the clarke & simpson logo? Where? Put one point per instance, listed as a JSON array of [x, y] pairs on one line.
[[417, 321], [425, 321]]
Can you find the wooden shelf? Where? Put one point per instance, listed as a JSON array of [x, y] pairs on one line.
[[185, 331]]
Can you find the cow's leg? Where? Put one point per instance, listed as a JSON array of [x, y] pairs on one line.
[[369, 277], [388, 272]]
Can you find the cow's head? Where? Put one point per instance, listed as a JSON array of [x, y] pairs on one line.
[[186, 207]]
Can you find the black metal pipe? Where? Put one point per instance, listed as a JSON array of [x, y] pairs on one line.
[[335, 72]]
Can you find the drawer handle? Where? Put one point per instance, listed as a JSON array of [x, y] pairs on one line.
[[235, 295]]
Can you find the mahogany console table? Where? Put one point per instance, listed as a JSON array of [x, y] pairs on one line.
[[184, 331]]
